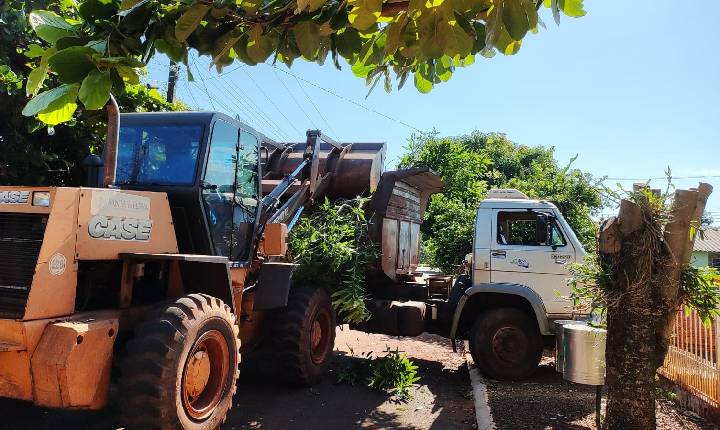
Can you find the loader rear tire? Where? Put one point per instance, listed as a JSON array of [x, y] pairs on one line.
[[306, 335], [181, 367]]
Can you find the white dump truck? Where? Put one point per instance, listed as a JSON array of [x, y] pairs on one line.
[[513, 288]]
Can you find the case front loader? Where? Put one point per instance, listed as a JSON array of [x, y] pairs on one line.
[[166, 270]]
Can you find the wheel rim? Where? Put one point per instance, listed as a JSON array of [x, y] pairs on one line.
[[509, 345], [320, 336], [206, 370]]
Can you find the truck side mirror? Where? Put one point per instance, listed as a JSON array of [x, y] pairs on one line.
[[542, 229]]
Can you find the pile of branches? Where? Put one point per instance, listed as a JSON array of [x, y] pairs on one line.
[[333, 248]]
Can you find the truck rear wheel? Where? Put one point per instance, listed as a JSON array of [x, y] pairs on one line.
[[506, 344], [181, 367], [306, 335]]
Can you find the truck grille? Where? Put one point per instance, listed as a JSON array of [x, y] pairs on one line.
[[21, 236]]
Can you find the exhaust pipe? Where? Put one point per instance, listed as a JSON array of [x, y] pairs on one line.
[[113, 136]]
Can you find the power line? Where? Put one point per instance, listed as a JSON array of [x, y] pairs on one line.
[[272, 102], [293, 98], [335, 134], [349, 100], [664, 178], [256, 108]]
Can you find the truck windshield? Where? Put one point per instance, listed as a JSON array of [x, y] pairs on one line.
[[158, 155]]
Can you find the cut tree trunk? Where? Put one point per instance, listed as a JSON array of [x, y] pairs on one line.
[[645, 259]]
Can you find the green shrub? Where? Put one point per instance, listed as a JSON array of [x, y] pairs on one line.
[[394, 373]]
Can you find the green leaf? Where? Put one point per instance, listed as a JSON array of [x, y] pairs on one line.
[[348, 42], [126, 61], [128, 4], [307, 36], [555, 10], [34, 51], [50, 26], [128, 74], [260, 46], [364, 13], [395, 32], [94, 10], [95, 90], [515, 19], [422, 81], [37, 76], [189, 21], [251, 6], [431, 37], [573, 8], [48, 100], [58, 113], [454, 40], [72, 64], [310, 5], [506, 44]]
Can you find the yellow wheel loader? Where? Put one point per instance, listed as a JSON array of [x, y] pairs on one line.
[[164, 270]]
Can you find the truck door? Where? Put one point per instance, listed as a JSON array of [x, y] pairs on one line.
[[529, 248]]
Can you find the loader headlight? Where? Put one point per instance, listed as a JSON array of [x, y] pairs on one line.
[[41, 198]]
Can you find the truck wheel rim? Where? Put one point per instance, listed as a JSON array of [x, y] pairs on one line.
[[320, 336], [509, 345], [205, 373]]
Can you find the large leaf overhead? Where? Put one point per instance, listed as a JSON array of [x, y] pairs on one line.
[[425, 39]]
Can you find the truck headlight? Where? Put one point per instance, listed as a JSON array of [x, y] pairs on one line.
[[41, 198]]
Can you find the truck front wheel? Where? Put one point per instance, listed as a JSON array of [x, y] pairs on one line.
[[181, 367], [506, 344]]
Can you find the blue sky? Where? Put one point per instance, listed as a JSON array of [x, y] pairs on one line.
[[632, 87]]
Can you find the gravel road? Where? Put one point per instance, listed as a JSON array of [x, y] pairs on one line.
[[548, 402]]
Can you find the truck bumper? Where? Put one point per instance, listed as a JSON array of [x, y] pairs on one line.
[[59, 363]]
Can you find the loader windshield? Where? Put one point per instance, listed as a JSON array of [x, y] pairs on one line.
[[158, 155]]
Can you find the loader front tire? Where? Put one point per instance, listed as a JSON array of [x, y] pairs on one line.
[[305, 335], [181, 367]]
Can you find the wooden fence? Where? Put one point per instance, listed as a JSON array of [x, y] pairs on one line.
[[693, 361]]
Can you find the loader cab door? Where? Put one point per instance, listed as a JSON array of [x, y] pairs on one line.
[[530, 248], [230, 190]]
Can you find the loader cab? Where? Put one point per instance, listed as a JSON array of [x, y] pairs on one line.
[[207, 163]]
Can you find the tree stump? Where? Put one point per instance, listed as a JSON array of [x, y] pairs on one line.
[[645, 252]]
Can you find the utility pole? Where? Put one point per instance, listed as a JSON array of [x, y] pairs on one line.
[[172, 81]]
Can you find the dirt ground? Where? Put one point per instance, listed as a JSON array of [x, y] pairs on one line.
[[548, 402], [442, 399]]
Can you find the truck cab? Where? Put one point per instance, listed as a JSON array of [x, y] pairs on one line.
[[528, 243]]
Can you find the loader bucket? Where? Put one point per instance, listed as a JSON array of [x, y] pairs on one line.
[[356, 172]]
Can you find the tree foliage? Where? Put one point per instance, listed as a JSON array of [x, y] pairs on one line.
[[31, 153], [97, 46], [472, 164]]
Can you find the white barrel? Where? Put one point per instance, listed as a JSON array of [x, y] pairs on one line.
[[584, 353], [559, 347]]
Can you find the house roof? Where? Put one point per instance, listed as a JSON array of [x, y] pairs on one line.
[[708, 240]]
